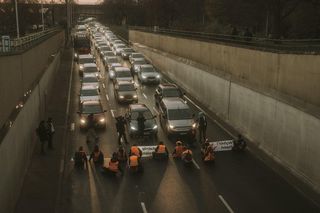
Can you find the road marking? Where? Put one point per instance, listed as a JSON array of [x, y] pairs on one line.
[[144, 95], [156, 111], [112, 112], [103, 86], [72, 127], [226, 204], [195, 164], [143, 206], [107, 96]]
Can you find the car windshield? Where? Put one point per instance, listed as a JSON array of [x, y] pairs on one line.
[[91, 109], [128, 50], [171, 92], [120, 46], [140, 62], [124, 74], [107, 53], [89, 80], [104, 48], [86, 60], [91, 69], [146, 114], [89, 92], [137, 56], [126, 87], [148, 69], [179, 114], [113, 60]]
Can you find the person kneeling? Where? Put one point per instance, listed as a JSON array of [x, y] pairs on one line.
[[208, 152], [187, 156], [161, 152], [113, 168]]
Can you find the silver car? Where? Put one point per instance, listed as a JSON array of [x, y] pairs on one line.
[[136, 63], [91, 68], [122, 74], [134, 56], [125, 91], [117, 48], [90, 79], [112, 73], [89, 93], [84, 59], [148, 74]]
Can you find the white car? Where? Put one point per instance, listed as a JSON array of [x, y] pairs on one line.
[[89, 93], [117, 48], [112, 66], [136, 63], [148, 74], [84, 59], [90, 79], [122, 74], [91, 68]]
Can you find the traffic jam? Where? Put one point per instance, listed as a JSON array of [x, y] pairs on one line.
[[147, 103]]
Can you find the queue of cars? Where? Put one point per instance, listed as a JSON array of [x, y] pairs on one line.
[[174, 114]]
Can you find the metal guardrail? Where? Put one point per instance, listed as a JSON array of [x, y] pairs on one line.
[[286, 45], [22, 43]]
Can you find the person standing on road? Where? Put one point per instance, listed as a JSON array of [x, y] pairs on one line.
[[202, 126], [42, 134], [80, 159], [51, 132], [91, 131], [141, 119], [120, 125]]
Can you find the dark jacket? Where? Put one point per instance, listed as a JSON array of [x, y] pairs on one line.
[[42, 132]]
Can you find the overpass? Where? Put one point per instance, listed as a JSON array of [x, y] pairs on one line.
[[241, 90]]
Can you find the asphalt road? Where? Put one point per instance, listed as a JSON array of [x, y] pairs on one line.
[[237, 182]]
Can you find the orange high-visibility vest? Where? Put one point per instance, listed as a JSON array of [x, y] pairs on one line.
[[179, 150], [161, 149], [135, 150], [133, 160], [114, 166]]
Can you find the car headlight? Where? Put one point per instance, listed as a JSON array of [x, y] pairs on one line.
[[111, 74], [155, 127], [75, 55], [135, 96], [82, 121], [158, 76], [102, 120], [144, 77], [121, 96], [81, 67], [194, 125], [133, 128], [171, 126]]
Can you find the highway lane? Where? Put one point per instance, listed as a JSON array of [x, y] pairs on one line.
[[237, 180]]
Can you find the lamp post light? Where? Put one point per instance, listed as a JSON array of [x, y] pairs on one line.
[[17, 18]]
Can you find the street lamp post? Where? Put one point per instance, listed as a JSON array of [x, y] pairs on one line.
[[17, 18], [42, 16]]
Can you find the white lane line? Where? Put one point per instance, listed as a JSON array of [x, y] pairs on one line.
[[144, 95], [195, 164], [107, 96], [156, 111], [103, 86], [226, 204], [72, 127], [112, 112], [143, 206]]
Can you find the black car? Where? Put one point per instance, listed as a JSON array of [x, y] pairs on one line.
[[167, 91], [95, 108], [151, 127]]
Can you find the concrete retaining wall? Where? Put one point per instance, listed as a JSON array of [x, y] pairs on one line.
[[290, 136], [18, 72], [17, 147], [292, 75]]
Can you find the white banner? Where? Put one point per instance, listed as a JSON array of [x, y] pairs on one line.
[[147, 150], [222, 145]]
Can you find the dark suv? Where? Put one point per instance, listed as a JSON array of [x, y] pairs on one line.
[[167, 91]]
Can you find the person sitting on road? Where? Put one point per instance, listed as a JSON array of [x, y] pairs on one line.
[[114, 165], [80, 159], [240, 144], [134, 163], [161, 151], [208, 152], [97, 156], [122, 155], [135, 150], [178, 150], [187, 155]]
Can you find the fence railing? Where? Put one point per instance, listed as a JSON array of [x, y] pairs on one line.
[[22, 43], [294, 45]]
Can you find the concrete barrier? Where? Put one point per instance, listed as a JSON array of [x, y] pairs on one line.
[[289, 74], [287, 134], [17, 147], [19, 72]]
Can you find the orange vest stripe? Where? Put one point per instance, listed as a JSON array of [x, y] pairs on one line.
[[133, 160], [135, 150]]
